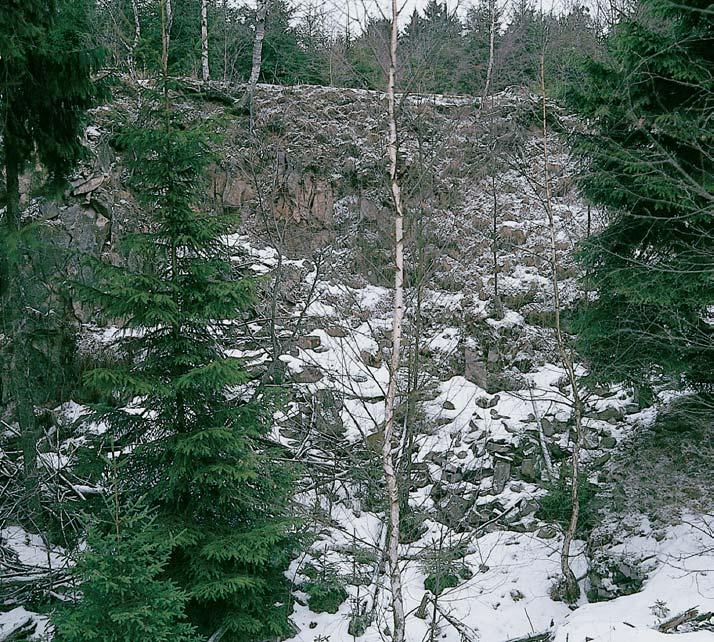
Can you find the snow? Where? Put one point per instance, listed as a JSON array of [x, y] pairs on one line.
[[16, 619], [621, 632], [683, 578], [510, 318], [508, 595], [30, 548], [341, 359]]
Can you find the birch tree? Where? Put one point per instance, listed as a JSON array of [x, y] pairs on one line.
[[137, 37], [167, 18], [397, 322], [205, 70], [257, 60]]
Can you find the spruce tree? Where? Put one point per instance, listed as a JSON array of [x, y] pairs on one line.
[[200, 447], [433, 49], [476, 44], [47, 60], [46, 64], [520, 46], [648, 164], [122, 596]]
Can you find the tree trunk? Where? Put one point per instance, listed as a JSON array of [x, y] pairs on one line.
[[494, 241], [137, 38], [397, 321], [167, 18], [12, 186], [572, 590], [14, 322], [225, 40], [491, 41], [205, 70], [260, 17]]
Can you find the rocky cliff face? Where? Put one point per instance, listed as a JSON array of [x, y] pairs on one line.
[[485, 413]]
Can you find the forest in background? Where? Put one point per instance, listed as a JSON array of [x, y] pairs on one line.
[[440, 51]]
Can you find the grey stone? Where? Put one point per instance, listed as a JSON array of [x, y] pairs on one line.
[[501, 474], [370, 359], [608, 441], [454, 510], [528, 469], [309, 342], [475, 369], [88, 230], [608, 414], [548, 427], [87, 187], [309, 374], [336, 331], [452, 474], [546, 532], [500, 448]]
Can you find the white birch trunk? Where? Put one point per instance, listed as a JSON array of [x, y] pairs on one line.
[[397, 321], [137, 38], [491, 41], [257, 61], [167, 21], [205, 71]]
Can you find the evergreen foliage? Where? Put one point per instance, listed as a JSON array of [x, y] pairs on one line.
[[202, 456], [123, 597], [521, 46], [649, 165], [441, 52], [46, 65], [325, 588], [293, 50], [556, 506], [47, 60], [476, 45], [368, 56], [432, 49]]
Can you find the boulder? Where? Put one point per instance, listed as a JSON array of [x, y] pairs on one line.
[[475, 369], [88, 230], [609, 414], [453, 511], [513, 235], [546, 532], [608, 441], [309, 342], [501, 473], [87, 187], [371, 360], [336, 331], [309, 374], [499, 447], [451, 474], [528, 469]]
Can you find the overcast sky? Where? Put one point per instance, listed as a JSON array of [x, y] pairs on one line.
[[356, 10]]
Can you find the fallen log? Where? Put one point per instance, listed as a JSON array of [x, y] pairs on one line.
[[678, 620], [467, 633]]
